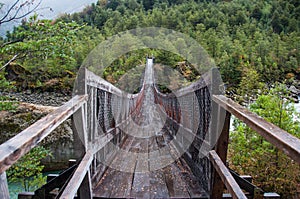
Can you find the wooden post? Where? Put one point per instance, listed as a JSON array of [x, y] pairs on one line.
[[85, 189], [4, 193], [80, 89], [221, 149], [219, 129], [79, 123], [215, 89]]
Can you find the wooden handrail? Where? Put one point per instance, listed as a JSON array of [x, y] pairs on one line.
[[79, 174], [16, 147], [284, 141], [226, 176]]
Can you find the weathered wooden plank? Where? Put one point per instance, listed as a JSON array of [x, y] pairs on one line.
[[225, 175], [141, 187], [16, 147], [221, 149], [192, 182], [115, 183], [80, 88], [78, 176], [125, 168], [176, 185], [284, 141], [97, 82], [85, 189], [4, 193]]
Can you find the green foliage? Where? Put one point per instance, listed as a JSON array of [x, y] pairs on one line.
[[4, 84], [264, 35], [7, 105], [28, 169], [233, 32], [252, 155], [250, 86], [43, 44]]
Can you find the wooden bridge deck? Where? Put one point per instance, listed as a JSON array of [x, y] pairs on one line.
[[173, 181], [153, 169]]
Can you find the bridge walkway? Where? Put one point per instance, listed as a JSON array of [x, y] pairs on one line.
[[153, 170], [173, 181]]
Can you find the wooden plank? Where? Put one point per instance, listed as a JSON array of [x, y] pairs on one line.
[[221, 149], [284, 141], [4, 193], [115, 183], [124, 168], [85, 189], [16, 147], [78, 177], [80, 88], [192, 182], [176, 185], [97, 82], [226, 176], [140, 187]]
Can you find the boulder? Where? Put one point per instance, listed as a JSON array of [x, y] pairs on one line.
[[15, 72], [294, 90]]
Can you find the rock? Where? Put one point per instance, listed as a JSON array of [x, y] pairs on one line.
[[41, 98], [4, 114], [294, 90], [15, 72]]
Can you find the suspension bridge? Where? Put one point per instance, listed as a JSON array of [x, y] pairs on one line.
[[147, 145]]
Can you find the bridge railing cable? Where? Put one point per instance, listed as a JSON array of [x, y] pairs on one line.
[[107, 112], [188, 112]]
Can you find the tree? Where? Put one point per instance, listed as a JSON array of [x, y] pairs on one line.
[[28, 169], [250, 85], [18, 10], [251, 154], [43, 43]]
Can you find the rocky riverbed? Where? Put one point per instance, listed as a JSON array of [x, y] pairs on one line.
[[42, 98]]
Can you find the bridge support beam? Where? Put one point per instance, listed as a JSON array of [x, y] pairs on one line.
[[221, 149], [219, 129]]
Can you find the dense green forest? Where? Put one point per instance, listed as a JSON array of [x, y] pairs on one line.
[[259, 35], [254, 43]]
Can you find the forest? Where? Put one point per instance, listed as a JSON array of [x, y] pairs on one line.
[[255, 44]]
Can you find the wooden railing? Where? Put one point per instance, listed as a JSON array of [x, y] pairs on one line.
[[13, 149], [287, 143], [284, 141]]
